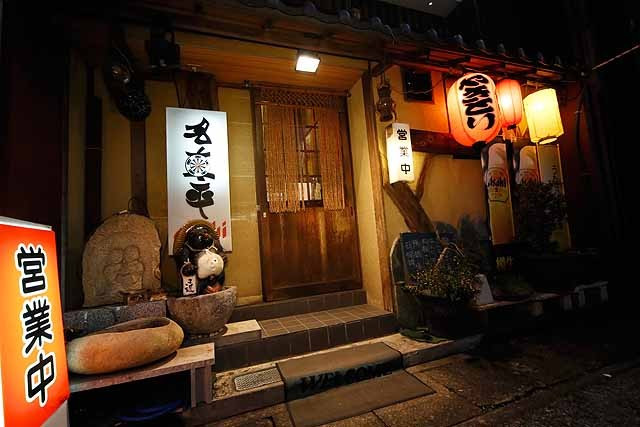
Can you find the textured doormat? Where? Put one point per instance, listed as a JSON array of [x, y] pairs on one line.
[[256, 379], [356, 399], [312, 374]]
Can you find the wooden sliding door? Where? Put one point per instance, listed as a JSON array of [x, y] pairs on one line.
[[311, 248]]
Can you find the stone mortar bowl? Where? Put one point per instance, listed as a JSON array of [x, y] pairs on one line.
[[203, 314]]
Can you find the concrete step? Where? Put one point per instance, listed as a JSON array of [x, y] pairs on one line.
[[303, 333], [228, 401], [296, 306], [312, 374]]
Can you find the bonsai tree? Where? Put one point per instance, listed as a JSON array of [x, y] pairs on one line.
[[540, 208]]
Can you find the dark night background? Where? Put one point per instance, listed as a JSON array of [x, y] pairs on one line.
[[581, 33]]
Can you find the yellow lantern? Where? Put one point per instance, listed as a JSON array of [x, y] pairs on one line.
[[473, 109], [543, 116]]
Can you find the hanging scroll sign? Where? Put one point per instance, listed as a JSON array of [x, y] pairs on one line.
[[198, 171]]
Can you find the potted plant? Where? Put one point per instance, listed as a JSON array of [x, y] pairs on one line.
[[442, 294], [540, 208]]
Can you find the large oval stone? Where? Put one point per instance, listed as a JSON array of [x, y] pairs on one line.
[[125, 345], [203, 314]]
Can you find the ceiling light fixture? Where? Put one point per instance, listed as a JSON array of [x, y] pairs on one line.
[[307, 62]]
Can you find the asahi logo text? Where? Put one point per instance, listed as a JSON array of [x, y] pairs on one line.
[[497, 181]]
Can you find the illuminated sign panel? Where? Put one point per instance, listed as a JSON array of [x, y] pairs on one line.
[[198, 171], [33, 364]]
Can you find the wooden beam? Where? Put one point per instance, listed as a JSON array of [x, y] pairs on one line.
[[377, 169], [139, 166], [92, 158], [440, 143]]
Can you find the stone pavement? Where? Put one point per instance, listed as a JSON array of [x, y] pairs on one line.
[[583, 373]]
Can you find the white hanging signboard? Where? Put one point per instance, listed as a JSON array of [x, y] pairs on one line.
[[198, 171], [399, 154]]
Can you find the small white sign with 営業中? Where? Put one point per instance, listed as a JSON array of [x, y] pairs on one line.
[[399, 153], [198, 171]]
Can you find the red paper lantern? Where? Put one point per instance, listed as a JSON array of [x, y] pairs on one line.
[[473, 109], [510, 100]]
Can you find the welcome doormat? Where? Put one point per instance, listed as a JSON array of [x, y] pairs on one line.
[[356, 399], [312, 374]]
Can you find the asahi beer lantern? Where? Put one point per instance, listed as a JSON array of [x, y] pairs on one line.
[[473, 109], [496, 177]]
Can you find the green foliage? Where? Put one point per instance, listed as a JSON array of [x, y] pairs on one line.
[[540, 208], [511, 286], [453, 280]]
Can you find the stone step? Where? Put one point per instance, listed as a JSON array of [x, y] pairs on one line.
[[295, 306], [229, 401], [303, 333], [312, 374]]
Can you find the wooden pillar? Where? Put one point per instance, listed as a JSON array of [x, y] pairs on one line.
[[377, 169], [93, 158]]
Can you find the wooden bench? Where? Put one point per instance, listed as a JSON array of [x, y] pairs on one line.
[[198, 360]]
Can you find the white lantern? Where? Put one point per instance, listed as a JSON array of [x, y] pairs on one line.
[[399, 154], [543, 116]]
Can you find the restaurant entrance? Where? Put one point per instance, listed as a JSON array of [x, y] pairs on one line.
[[305, 193]]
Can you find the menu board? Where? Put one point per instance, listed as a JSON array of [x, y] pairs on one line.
[[419, 251]]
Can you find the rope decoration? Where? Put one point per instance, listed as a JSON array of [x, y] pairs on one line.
[[330, 145], [284, 146], [281, 161]]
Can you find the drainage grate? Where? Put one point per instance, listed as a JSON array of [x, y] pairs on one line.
[[256, 379]]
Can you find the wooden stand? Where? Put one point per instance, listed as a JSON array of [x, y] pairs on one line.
[[198, 360]]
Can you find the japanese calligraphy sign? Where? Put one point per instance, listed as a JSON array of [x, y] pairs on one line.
[[33, 364], [473, 109], [399, 154], [198, 170]]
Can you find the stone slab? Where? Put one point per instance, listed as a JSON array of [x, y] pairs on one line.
[[366, 420], [238, 332], [94, 319], [483, 383], [185, 359], [434, 410], [272, 416], [314, 373], [227, 402], [416, 352], [356, 399]]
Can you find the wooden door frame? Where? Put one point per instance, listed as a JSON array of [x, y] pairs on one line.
[[262, 210]]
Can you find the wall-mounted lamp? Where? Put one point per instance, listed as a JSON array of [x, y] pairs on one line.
[[307, 62], [386, 106]]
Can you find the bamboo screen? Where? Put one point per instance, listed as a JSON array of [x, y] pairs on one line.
[[303, 150]]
